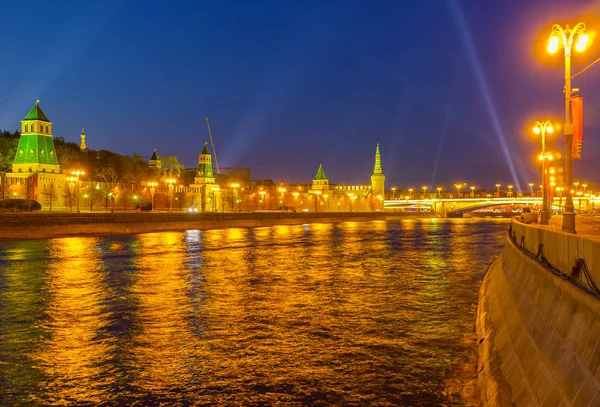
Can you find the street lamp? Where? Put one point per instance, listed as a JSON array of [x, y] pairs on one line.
[[498, 186], [531, 184], [410, 190], [510, 187], [262, 198], [576, 186], [567, 36], [282, 192], [215, 190], [170, 182], [318, 195], [542, 128], [235, 186], [77, 174], [393, 193], [472, 192], [71, 183], [152, 186], [584, 187], [439, 189]]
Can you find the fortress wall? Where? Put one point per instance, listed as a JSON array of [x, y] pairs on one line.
[[539, 333], [15, 226]]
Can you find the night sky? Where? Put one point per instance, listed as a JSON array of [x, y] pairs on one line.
[[449, 89]]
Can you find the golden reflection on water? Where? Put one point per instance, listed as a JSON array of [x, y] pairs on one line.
[[353, 313], [72, 356], [163, 345]]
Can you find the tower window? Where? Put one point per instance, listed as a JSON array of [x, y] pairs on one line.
[[42, 152], [31, 152], [46, 129], [21, 153], [51, 154], [26, 128]]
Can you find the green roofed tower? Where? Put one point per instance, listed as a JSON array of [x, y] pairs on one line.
[[378, 179], [320, 181], [205, 169], [36, 152]]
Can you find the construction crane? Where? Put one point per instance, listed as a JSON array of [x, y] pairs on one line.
[[213, 145]]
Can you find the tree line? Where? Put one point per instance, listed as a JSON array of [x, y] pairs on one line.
[[99, 165]]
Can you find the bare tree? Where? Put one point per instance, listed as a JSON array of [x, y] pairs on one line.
[[68, 196], [50, 194], [108, 174], [4, 193]]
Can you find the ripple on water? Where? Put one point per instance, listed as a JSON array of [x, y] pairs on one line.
[[372, 313]]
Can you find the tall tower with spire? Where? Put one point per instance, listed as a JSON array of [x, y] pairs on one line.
[[83, 146], [36, 172], [204, 186], [377, 179], [36, 152], [155, 162], [205, 169], [320, 182]]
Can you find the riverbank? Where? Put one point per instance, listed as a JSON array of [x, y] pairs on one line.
[[19, 226], [539, 330]]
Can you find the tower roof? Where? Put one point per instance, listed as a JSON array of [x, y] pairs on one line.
[[320, 173], [377, 167], [205, 149], [36, 113], [154, 156]]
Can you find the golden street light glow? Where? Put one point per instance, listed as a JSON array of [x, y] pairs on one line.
[[553, 44]]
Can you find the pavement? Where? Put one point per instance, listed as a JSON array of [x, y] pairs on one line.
[[588, 225]]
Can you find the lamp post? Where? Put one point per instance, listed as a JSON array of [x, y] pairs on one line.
[[567, 35], [439, 189], [424, 188], [326, 198], [71, 183], [584, 187], [531, 184], [542, 128], [170, 182], [410, 190], [152, 186], [235, 195], [317, 196], [393, 193], [215, 191], [262, 198], [472, 192], [77, 174], [498, 186], [282, 192]]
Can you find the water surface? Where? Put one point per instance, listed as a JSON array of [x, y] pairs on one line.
[[370, 313]]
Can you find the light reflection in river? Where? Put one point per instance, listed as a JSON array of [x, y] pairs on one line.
[[373, 313]]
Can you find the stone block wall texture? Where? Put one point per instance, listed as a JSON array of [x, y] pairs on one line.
[[539, 334], [15, 226]]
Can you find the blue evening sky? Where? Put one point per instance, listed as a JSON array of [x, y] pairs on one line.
[[448, 88]]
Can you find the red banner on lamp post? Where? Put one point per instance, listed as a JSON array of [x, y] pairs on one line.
[[577, 109]]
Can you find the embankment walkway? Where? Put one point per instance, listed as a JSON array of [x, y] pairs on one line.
[[15, 226], [538, 320]]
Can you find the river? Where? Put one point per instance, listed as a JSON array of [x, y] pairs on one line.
[[369, 313]]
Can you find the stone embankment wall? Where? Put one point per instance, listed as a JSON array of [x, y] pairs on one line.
[[539, 332], [47, 225]]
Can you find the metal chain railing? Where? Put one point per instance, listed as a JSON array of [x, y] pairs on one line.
[[580, 265]]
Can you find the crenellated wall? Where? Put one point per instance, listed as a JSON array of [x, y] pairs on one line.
[[539, 332]]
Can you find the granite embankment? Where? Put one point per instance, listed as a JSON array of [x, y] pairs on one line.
[[538, 321], [15, 226]]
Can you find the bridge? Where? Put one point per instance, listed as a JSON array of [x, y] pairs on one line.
[[457, 207]]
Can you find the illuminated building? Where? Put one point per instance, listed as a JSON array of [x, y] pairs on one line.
[[204, 181], [36, 172], [83, 146]]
